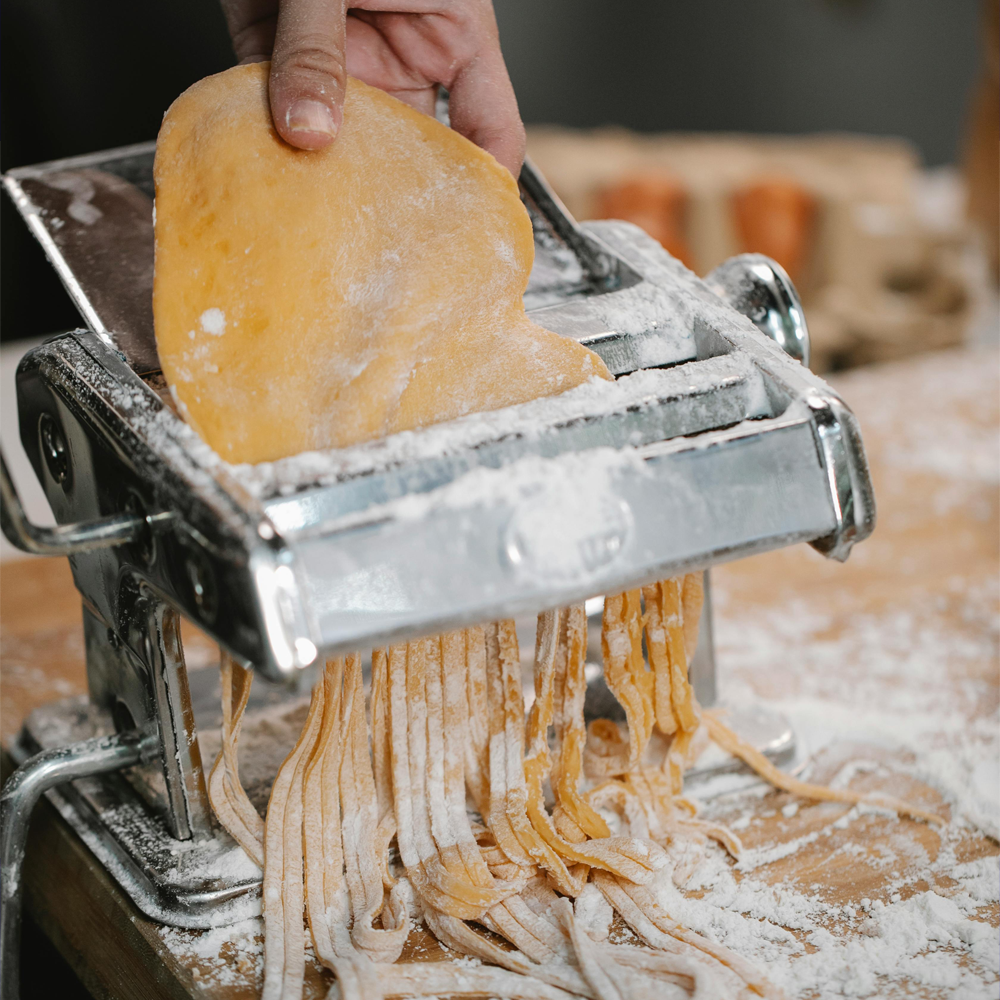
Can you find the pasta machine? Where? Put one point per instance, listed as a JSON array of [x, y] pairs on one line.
[[714, 442]]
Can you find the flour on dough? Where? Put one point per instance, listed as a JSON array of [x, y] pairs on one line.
[[308, 300]]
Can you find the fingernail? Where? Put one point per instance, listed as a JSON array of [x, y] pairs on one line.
[[310, 116]]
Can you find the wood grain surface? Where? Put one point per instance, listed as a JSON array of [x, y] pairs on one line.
[[909, 621]]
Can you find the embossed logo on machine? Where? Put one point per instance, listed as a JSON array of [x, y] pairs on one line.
[[555, 537]]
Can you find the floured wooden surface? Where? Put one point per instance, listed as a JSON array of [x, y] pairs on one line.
[[311, 300], [888, 668]]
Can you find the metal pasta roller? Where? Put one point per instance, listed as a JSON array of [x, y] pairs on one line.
[[715, 442]]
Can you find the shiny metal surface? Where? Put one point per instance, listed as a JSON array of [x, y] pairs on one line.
[[603, 271], [760, 289], [63, 539], [137, 678], [184, 883], [20, 794], [844, 459], [702, 671], [287, 561], [767, 730], [93, 216]]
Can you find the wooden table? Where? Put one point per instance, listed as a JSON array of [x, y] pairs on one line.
[[907, 626]]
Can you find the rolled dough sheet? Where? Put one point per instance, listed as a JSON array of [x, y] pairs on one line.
[[307, 300]]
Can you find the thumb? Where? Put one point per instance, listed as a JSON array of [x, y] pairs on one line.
[[308, 74]]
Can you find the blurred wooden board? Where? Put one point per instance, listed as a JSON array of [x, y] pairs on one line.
[[909, 621]]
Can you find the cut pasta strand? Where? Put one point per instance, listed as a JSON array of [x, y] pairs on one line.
[[225, 792], [750, 755]]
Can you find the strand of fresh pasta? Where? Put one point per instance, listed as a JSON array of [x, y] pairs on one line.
[[624, 856], [667, 604], [452, 832], [692, 602], [599, 967], [284, 938], [327, 899], [324, 754], [631, 683], [627, 972], [515, 918], [507, 816], [411, 677], [573, 816], [450, 891], [639, 908], [537, 937], [544, 947], [670, 606], [445, 694], [442, 979], [666, 640], [547, 634], [729, 741], [382, 761], [225, 791], [666, 621], [677, 714], [360, 817], [477, 744], [511, 917]]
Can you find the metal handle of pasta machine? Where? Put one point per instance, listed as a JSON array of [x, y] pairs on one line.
[[760, 288], [20, 795], [62, 539]]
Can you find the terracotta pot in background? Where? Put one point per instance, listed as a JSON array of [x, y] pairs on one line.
[[776, 216], [657, 203]]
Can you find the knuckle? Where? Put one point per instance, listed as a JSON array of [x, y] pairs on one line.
[[313, 57]]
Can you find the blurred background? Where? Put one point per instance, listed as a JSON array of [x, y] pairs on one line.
[[836, 135]]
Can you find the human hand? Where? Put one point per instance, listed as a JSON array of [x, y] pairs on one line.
[[405, 47]]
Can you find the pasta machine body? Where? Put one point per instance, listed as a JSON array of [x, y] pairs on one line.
[[713, 443]]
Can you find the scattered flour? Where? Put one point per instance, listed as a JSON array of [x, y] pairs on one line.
[[223, 956], [902, 694], [81, 190], [925, 940], [213, 321]]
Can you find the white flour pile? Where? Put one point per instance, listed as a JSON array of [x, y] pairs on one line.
[[223, 956], [927, 925], [928, 939]]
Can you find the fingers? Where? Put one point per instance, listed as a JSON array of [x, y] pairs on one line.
[[404, 51], [251, 26], [483, 108], [308, 75], [454, 43], [482, 105]]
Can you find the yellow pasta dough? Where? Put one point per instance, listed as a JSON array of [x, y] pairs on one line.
[[309, 300]]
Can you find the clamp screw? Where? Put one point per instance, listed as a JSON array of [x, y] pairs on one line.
[[54, 448], [203, 590]]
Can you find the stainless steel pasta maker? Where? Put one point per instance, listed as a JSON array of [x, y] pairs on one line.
[[715, 442]]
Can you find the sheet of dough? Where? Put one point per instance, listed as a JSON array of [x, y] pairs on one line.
[[307, 300]]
